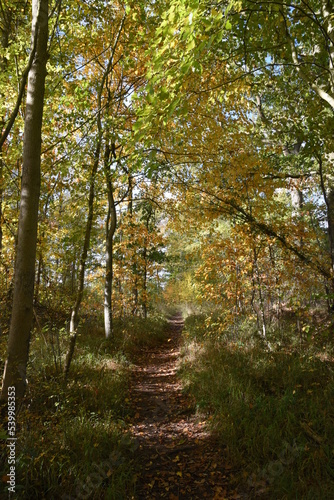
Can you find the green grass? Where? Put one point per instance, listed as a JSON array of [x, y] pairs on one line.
[[272, 409], [135, 333], [72, 439]]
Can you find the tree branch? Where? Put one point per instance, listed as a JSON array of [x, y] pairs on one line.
[[21, 92]]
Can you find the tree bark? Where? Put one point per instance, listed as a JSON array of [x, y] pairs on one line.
[[130, 190], [110, 154], [5, 31], [1, 199], [330, 220], [134, 265], [145, 280], [258, 281], [328, 194], [110, 231], [82, 266], [38, 277], [22, 310], [327, 13], [145, 260]]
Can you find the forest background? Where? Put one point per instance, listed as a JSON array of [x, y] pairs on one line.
[[169, 154]]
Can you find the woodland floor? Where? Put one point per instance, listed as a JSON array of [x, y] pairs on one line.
[[179, 458]]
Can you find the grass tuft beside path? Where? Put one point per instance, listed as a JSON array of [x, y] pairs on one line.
[[272, 409]]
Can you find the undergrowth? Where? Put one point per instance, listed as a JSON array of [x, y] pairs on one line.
[[72, 439], [272, 408], [134, 332]]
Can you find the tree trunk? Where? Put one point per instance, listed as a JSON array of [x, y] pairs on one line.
[[134, 265], [258, 281], [1, 198], [73, 273], [110, 231], [22, 311], [297, 196], [328, 194], [5, 31], [75, 311], [145, 280], [330, 220], [130, 190], [82, 267], [327, 13], [145, 259], [39, 275]]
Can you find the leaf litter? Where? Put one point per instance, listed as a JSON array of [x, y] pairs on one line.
[[179, 458]]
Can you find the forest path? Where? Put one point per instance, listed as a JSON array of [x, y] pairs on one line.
[[178, 457]]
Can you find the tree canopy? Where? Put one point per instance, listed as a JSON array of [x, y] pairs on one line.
[[168, 117], [162, 154]]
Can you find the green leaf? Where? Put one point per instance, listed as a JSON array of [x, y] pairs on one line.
[[191, 45]]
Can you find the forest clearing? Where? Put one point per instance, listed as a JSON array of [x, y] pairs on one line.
[[167, 249]]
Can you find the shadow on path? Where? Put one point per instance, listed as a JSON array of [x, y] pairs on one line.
[[178, 456]]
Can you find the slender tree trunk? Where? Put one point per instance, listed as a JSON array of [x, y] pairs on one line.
[[22, 311], [40, 252], [134, 266], [145, 280], [130, 190], [75, 311], [327, 12], [149, 215], [110, 153], [1, 200], [73, 274], [108, 316], [258, 281], [328, 194], [1, 195], [38, 277], [135, 292], [5, 31], [1, 192], [121, 299], [330, 221], [297, 201], [82, 266], [110, 231]]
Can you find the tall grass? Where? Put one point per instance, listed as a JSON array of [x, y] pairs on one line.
[[273, 409], [134, 333], [72, 439]]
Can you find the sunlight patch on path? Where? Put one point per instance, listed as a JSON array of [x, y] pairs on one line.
[[179, 458]]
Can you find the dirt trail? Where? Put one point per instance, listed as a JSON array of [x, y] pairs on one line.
[[179, 457]]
